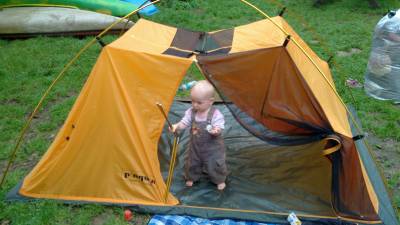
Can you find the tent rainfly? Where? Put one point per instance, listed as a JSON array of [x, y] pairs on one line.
[[291, 142]]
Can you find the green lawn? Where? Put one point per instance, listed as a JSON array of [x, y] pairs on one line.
[[27, 67]]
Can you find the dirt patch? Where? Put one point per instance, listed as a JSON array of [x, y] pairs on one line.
[[5, 222], [387, 153], [137, 218], [27, 164], [102, 218], [140, 219], [348, 53], [12, 101], [199, 11]]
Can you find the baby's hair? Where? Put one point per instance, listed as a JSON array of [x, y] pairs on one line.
[[205, 88]]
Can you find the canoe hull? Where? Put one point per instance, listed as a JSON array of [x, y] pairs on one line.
[[54, 20], [111, 7]]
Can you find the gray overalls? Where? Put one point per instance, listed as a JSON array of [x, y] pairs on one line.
[[206, 152]]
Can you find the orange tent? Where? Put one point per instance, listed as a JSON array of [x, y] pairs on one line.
[[107, 150]]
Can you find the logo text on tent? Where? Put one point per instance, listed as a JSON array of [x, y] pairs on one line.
[[140, 178]]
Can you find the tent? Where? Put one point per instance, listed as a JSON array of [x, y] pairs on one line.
[[292, 143]]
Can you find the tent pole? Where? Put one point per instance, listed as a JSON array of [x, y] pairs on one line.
[[171, 166], [160, 107], [173, 152]]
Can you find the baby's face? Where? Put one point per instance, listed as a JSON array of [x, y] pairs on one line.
[[200, 102]]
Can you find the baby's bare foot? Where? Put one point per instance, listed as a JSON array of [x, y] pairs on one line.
[[189, 183], [221, 186]]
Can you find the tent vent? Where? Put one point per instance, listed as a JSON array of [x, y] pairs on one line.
[[200, 48]]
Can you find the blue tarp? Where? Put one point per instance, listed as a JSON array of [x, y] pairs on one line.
[[190, 220]]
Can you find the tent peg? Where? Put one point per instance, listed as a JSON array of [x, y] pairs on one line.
[[282, 11], [358, 137], [329, 61], [100, 41]]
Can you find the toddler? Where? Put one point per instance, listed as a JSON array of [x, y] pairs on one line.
[[206, 149]]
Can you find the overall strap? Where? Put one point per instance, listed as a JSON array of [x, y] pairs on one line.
[[210, 114], [192, 115]]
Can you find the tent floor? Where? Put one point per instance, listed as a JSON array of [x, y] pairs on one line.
[[262, 177]]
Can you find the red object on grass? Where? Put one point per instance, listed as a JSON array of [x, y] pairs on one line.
[[127, 215]]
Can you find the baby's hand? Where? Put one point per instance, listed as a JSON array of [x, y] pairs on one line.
[[215, 131], [174, 128]]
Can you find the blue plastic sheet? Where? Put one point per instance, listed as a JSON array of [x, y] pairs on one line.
[[189, 220]]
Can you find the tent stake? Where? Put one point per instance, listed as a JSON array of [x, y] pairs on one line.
[[101, 42], [329, 61], [282, 11]]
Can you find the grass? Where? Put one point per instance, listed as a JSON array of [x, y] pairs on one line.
[[27, 67]]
